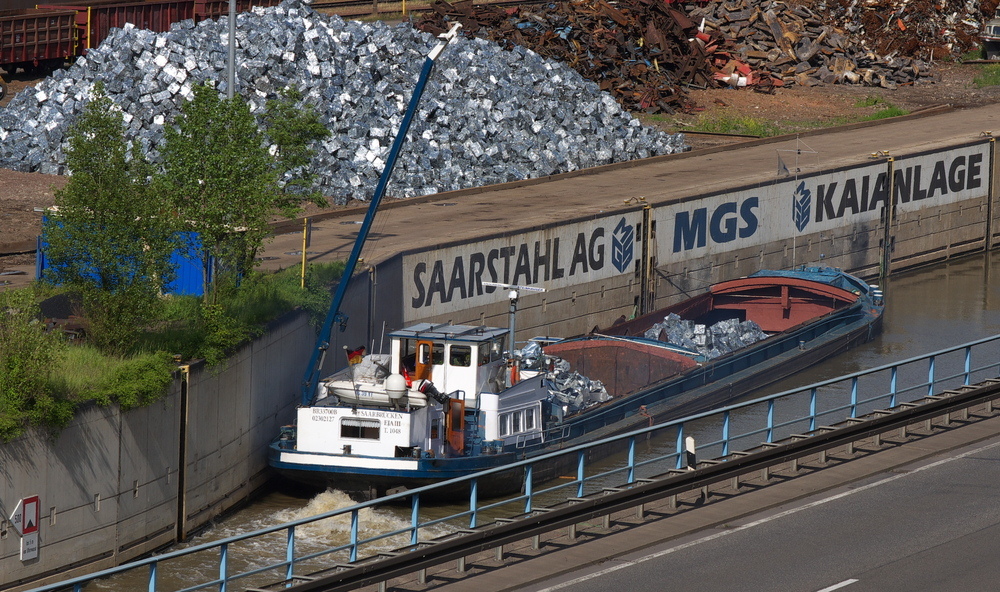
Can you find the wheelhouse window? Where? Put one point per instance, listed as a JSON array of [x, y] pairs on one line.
[[356, 427], [430, 353], [460, 355]]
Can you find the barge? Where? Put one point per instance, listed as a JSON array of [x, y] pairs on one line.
[[450, 400]]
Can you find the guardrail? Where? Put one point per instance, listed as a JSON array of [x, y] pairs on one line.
[[645, 453]]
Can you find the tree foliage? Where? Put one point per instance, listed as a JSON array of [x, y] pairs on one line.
[[27, 355], [111, 238], [224, 182], [293, 126]]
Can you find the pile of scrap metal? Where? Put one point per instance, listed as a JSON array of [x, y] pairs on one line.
[[711, 341], [641, 51], [646, 52], [802, 46]]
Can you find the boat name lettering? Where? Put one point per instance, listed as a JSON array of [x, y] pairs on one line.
[[527, 263], [727, 221], [913, 183], [330, 414]]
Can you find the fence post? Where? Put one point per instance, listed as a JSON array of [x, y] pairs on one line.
[[415, 519], [474, 503], [680, 446], [223, 566], [892, 387], [725, 434], [354, 536], [854, 397], [770, 420], [528, 488], [631, 459], [290, 553], [930, 377], [968, 364], [812, 410], [152, 578], [580, 459]]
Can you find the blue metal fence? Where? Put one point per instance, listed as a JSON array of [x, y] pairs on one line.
[[646, 452]]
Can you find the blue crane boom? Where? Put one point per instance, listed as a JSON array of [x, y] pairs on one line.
[[334, 314]]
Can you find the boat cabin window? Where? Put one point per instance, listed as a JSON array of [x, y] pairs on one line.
[[408, 354], [460, 355], [356, 427], [492, 351], [430, 353], [516, 422], [505, 424]]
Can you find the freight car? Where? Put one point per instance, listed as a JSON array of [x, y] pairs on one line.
[[50, 34]]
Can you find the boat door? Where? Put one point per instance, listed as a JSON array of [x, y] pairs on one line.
[[426, 359], [454, 425]]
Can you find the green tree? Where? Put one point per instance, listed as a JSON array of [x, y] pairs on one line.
[[27, 356], [293, 126], [224, 182], [111, 238]]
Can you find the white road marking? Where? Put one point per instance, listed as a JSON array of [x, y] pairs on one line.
[[837, 586], [721, 534]]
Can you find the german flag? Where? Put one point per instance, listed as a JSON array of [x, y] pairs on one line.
[[354, 356]]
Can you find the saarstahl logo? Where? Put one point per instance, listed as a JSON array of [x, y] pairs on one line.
[[622, 245], [801, 206]]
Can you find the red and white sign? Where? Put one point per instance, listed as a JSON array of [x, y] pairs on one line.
[[31, 515], [25, 519]]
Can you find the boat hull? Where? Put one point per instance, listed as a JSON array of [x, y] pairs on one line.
[[364, 478]]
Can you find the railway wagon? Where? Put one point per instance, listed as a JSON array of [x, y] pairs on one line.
[[30, 37], [95, 18], [211, 9], [53, 32]]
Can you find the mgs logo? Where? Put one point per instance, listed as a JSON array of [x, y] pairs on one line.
[[801, 206], [622, 245]]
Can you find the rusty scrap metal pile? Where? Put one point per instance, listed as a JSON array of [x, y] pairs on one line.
[[799, 45], [647, 52], [638, 50]]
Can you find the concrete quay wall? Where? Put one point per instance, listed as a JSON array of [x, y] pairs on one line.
[[646, 254], [116, 485]]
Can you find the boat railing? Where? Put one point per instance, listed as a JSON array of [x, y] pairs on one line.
[[554, 477]]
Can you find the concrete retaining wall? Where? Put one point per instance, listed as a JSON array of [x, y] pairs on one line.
[[112, 485]]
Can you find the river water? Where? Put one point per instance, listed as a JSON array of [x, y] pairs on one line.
[[927, 310]]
